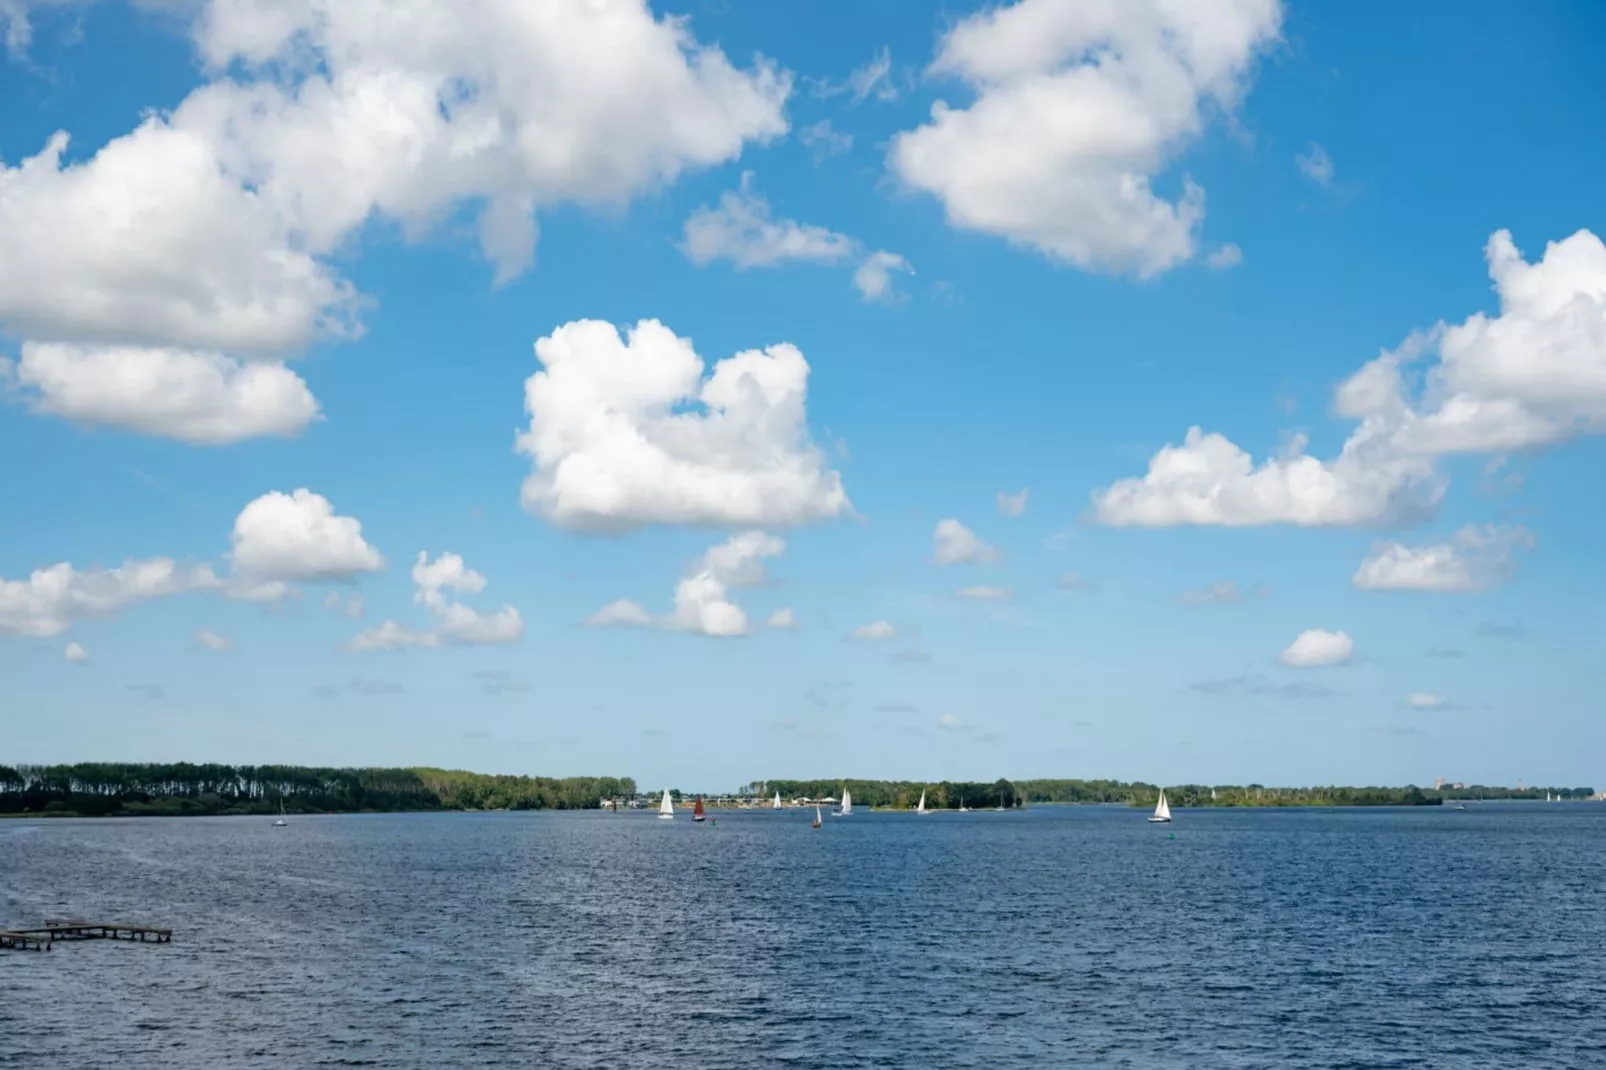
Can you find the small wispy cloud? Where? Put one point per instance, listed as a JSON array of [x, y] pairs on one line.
[[825, 140], [1227, 592], [206, 639], [1260, 686], [1224, 257], [1013, 505], [502, 682], [1316, 164]]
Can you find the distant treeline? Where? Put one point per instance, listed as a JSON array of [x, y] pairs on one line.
[[1137, 793], [897, 794], [97, 788], [946, 795]]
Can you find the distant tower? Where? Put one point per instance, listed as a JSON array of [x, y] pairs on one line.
[[1438, 783]]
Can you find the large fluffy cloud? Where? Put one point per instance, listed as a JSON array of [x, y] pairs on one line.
[[202, 398], [1474, 559], [278, 539], [1209, 480], [299, 537], [454, 624], [702, 598], [1532, 375], [51, 599], [627, 432], [202, 235], [1078, 107]]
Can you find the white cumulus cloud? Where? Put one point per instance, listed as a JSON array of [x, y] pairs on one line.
[[206, 233], [954, 544], [874, 632], [1209, 480], [627, 432], [197, 397], [621, 614], [1473, 560], [51, 599], [454, 624], [299, 537], [986, 594], [1533, 375], [1078, 106], [702, 598], [782, 618], [1316, 647], [75, 654], [873, 279], [743, 230], [1425, 700]]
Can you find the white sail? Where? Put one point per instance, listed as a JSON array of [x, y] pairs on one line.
[[920, 808], [847, 802], [1162, 809], [666, 808], [776, 805]]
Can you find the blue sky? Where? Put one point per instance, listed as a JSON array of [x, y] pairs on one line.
[[247, 227]]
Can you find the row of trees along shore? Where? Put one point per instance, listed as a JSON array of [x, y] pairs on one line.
[[1141, 794], [181, 788], [903, 794], [895, 794]]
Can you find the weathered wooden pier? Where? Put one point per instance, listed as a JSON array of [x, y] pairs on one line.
[[65, 929]]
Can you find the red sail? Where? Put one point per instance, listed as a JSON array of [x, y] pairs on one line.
[[698, 811]]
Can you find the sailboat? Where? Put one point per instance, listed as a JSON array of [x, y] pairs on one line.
[[1000, 802], [281, 822], [697, 811], [816, 815], [776, 805], [846, 809], [666, 808], [921, 808], [963, 808], [1162, 811]]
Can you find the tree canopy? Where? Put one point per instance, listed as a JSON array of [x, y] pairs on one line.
[[94, 788]]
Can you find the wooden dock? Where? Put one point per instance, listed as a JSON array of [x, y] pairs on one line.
[[65, 929], [23, 941]]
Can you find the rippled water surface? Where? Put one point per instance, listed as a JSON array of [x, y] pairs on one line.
[[1059, 937]]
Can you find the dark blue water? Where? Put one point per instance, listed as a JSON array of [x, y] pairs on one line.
[[1061, 937]]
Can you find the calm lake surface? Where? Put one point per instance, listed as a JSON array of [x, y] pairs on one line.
[[1058, 937]]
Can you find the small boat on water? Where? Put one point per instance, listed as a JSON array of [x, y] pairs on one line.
[[666, 808], [963, 808], [1460, 806], [1000, 802], [697, 811], [816, 815], [1162, 810], [776, 805], [920, 808], [280, 821], [846, 809]]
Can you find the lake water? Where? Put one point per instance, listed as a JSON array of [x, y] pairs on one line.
[[1058, 937]]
